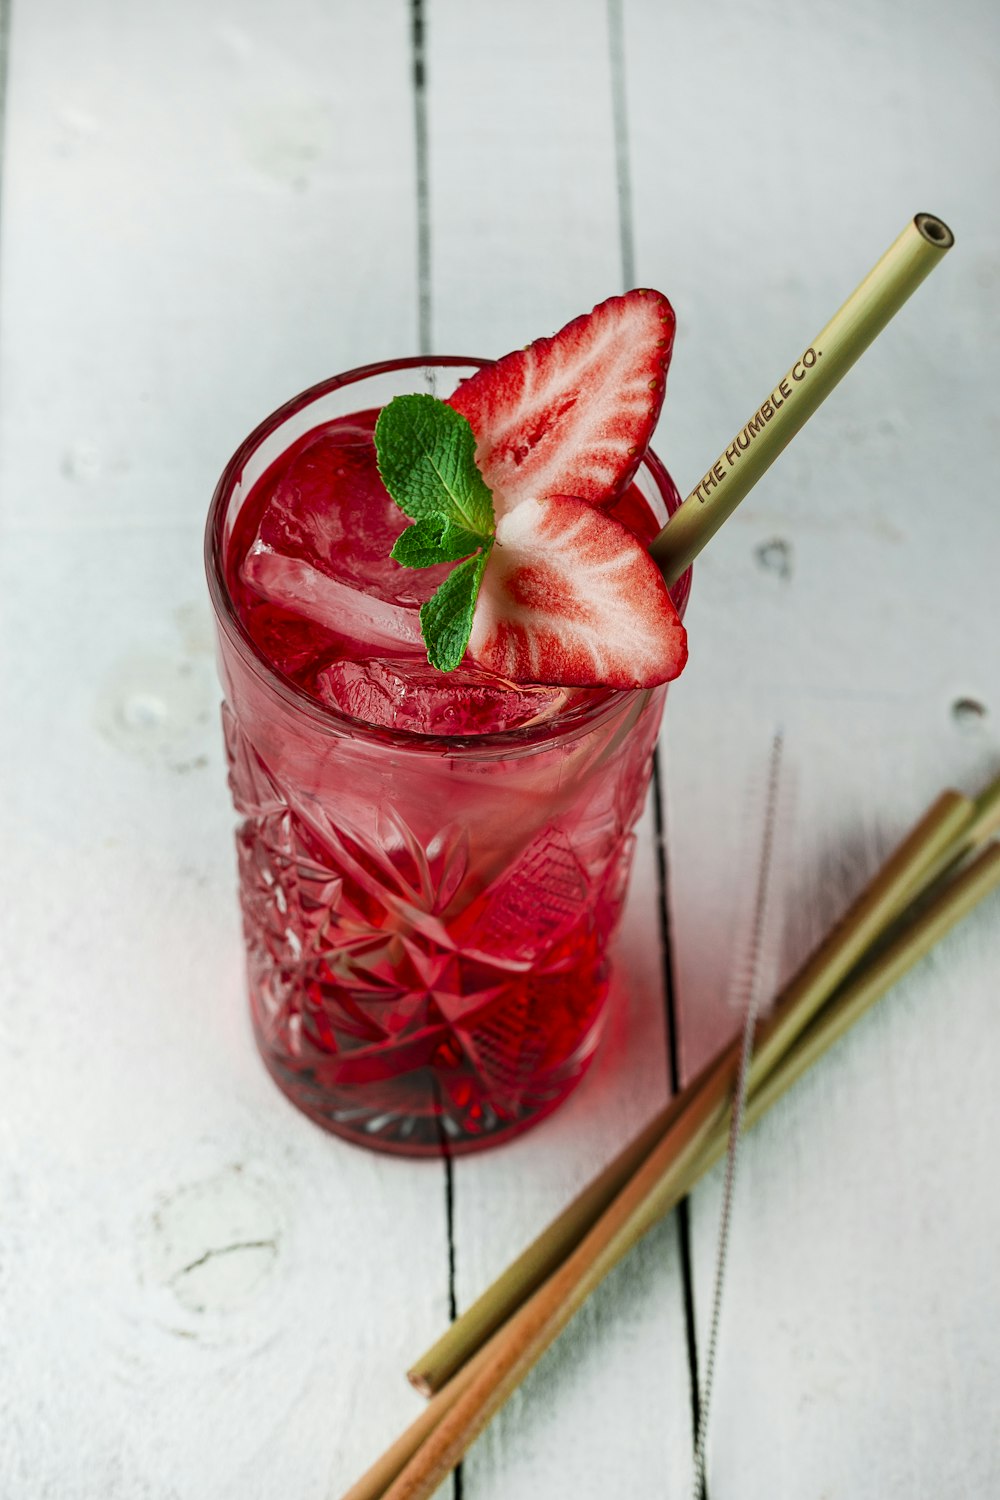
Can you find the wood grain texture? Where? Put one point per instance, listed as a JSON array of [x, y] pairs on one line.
[[524, 191], [852, 603], [202, 1295], [860, 1330], [207, 207], [763, 191]]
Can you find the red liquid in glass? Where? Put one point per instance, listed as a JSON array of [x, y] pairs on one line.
[[427, 922]]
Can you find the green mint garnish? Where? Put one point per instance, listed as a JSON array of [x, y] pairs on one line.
[[434, 540], [427, 459], [446, 618]]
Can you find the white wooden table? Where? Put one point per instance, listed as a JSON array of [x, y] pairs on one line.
[[208, 206]]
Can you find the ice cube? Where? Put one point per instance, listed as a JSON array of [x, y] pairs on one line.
[[364, 619], [331, 510], [414, 696]]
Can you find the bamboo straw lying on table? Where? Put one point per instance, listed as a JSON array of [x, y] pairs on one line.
[[952, 827], [694, 1135], [656, 1187]]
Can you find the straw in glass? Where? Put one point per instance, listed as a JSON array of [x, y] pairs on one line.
[[791, 403]]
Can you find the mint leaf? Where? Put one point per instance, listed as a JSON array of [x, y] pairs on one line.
[[446, 618], [427, 459], [434, 540], [426, 455]]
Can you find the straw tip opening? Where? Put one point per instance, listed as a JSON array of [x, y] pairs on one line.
[[935, 231]]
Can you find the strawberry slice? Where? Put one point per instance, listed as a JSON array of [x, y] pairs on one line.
[[572, 414], [570, 597]]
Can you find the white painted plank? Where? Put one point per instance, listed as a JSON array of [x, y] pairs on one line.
[[522, 170], [789, 147], [206, 210], [525, 235], [201, 1294], [183, 189], [860, 1331], [858, 1352]]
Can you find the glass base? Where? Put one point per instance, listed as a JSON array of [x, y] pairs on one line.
[[441, 1128]]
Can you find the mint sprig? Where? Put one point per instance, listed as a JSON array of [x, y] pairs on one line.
[[446, 618], [426, 455], [432, 540]]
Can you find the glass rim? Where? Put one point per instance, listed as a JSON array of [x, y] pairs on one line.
[[577, 718]]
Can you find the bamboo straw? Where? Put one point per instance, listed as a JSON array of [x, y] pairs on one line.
[[949, 907], [936, 841], [473, 1398], [467, 1333], [940, 834], [376, 1480], [985, 823], [796, 396]]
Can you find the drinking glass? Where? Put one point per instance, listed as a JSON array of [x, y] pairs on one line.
[[427, 917]]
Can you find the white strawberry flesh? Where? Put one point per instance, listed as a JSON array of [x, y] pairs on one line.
[[570, 597], [572, 414]]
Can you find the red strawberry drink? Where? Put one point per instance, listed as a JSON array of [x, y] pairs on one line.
[[439, 760]]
